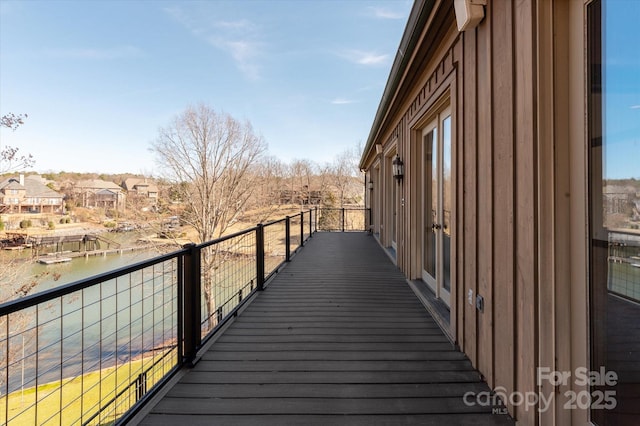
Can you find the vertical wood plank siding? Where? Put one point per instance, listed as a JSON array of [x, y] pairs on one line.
[[469, 257], [525, 205], [503, 212], [485, 197]]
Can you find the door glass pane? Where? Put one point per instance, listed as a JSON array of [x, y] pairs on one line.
[[430, 202], [446, 202], [614, 136], [394, 209]]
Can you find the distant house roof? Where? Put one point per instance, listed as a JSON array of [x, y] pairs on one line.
[[132, 184], [97, 184], [105, 192], [11, 184], [139, 184], [33, 187]]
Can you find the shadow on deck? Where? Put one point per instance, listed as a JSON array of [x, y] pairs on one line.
[[338, 337]]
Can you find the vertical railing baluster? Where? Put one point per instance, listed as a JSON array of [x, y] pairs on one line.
[[343, 219], [61, 357], [6, 382], [192, 314], [260, 257], [301, 229], [37, 385], [180, 302], [287, 238]]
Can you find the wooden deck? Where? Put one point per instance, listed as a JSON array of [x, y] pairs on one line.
[[338, 337]]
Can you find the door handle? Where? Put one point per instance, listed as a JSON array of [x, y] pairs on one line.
[[435, 226]]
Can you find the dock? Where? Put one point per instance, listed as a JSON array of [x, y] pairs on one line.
[[54, 260]]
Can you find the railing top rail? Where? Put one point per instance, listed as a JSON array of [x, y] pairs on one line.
[[344, 208], [244, 231], [12, 306], [46, 295], [226, 237], [274, 222], [624, 231]]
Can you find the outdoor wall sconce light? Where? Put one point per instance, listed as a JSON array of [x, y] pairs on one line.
[[469, 13], [370, 185], [398, 168]]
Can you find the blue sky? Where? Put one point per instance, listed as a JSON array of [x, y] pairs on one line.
[[621, 89], [98, 78]]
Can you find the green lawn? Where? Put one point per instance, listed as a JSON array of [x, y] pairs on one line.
[[75, 400]]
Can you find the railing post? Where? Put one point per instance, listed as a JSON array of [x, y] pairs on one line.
[[191, 314], [370, 220], [316, 219], [260, 257], [310, 223], [141, 386], [235, 314], [287, 238], [343, 220], [301, 229]]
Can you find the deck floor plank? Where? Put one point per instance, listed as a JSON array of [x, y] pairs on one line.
[[338, 337]]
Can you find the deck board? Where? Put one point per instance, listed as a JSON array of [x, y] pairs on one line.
[[338, 337]]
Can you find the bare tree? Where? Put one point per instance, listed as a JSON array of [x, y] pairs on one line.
[[343, 171], [17, 330], [209, 156], [267, 196], [302, 171], [10, 159], [12, 121]]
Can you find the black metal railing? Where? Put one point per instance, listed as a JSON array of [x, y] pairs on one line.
[[67, 352], [343, 219], [624, 264], [95, 351]]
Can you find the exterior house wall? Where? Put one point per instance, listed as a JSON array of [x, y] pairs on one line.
[[29, 196], [516, 98], [98, 193]]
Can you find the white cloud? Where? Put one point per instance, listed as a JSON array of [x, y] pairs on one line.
[[366, 58], [342, 101], [384, 13], [240, 25], [635, 107], [99, 54], [240, 39]]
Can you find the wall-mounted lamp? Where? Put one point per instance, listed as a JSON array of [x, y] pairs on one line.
[[469, 13], [370, 185], [398, 168]]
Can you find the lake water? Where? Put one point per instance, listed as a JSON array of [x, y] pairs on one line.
[[110, 323], [50, 276], [81, 339]]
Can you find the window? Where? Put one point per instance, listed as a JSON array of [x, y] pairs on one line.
[[613, 38]]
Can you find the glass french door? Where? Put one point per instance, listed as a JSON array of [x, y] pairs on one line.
[[394, 212], [437, 204], [613, 40]]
